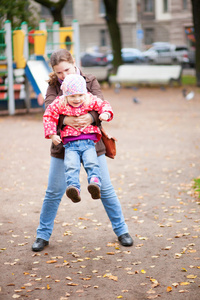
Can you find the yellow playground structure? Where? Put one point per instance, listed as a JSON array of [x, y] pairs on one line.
[[21, 68]]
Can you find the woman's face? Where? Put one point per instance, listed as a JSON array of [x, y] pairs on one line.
[[63, 69]]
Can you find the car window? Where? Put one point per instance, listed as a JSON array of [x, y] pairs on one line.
[[181, 48], [162, 50]]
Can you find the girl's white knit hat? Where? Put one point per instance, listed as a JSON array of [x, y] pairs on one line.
[[73, 84]]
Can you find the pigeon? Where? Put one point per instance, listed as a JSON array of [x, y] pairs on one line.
[[135, 100], [117, 88], [188, 96]]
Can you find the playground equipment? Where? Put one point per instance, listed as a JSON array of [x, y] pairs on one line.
[[31, 69]]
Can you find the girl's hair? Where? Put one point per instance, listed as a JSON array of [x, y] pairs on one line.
[[57, 57]]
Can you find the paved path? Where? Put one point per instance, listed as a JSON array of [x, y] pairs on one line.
[[157, 159]]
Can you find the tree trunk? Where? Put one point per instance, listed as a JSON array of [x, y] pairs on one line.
[[114, 31], [196, 21], [57, 15], [55, 8]]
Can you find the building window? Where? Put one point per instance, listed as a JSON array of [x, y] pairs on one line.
[[148, 5], [68, 8], [102, 9], [165, 6], [149, 36], [103, 37], [184, 4]]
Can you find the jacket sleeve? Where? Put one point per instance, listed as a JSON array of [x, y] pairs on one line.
[[103, 106], [52, 93], [50, 118]]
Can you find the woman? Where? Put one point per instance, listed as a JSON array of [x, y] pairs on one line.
[[63, 64]]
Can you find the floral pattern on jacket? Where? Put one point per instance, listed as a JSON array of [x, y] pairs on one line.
[[59, 107]]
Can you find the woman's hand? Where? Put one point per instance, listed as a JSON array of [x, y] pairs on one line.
[[80, 122], [55, 139]]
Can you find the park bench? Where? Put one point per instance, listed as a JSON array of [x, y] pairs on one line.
[[100, 72], [147, 74]]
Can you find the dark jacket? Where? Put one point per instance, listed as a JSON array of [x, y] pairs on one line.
[[53, 91]]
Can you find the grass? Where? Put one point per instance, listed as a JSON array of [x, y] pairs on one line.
[[196, 185], [188, 80]]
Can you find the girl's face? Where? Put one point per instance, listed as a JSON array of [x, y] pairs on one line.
[[63, 69], [76, 100]]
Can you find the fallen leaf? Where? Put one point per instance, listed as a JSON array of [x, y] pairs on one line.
[[15, 296], [175, 284], [143, 271], [183, 270], [169, 289], [155, 282], [51, 261], [151, 291], [191, 276], [27, 284], [178, 255], [167, 248], [111, 244], [72, 284], [48, 287], [184, 283], [110, 276], [183, 291]]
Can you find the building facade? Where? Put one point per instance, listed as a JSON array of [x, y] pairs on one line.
[[141, 22]]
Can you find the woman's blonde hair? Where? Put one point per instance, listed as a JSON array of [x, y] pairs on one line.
[[57, 57]]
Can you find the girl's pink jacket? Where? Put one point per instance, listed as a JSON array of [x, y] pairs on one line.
[[58, 107]]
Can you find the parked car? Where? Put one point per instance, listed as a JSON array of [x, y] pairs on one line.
[[93, 59], [166, 53], [129, 56]]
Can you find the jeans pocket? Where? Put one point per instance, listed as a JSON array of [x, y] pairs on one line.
[[91, 142]]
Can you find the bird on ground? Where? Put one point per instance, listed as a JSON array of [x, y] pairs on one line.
[[135, 100], [188, 96]]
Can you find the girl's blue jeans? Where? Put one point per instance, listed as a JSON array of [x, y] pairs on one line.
[[56, 189], [81, 151]]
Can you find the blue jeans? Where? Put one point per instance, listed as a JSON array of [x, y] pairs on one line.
[[56, 189], [76, 152]]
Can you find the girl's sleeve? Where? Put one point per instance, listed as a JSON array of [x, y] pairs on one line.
[[50, 118], [95, 89], [103, 106]]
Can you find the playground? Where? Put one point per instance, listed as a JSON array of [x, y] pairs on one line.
[[157, 159], [24, 62]]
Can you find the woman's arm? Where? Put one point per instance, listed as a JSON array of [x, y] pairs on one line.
[[52, 93]]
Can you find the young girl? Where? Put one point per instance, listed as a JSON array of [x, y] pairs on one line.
[[63, 64], [78, 143]]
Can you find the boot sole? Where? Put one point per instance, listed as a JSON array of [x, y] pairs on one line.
[[73, 194], [94, 190]]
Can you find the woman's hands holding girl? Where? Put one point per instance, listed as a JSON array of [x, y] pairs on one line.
[[80, 122]]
